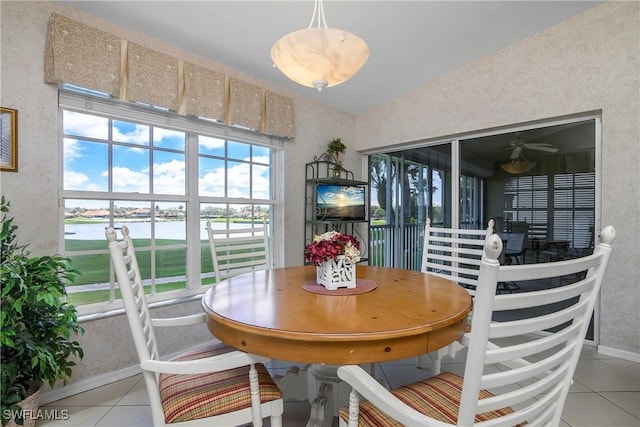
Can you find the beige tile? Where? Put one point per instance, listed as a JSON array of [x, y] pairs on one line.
[[127, 416], [591, 352], [137, 396], [598, 376], [107, 395], [591, 410], [631, 369], [627, 400], [78, 416], [578, 387]]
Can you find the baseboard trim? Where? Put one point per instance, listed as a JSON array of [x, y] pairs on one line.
[[620, 354], [88, 384]]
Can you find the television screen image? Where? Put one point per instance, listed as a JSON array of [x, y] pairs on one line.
[[340, 202]]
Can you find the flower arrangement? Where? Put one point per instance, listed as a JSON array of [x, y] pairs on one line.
[[329, 245]]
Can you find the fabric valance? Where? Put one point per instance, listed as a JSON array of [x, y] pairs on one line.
[[80, 55], [83, 56]]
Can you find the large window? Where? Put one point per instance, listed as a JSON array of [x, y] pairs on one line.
[[162, 176]]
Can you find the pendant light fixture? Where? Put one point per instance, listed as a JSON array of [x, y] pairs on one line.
[[319, 56], [518, 167]]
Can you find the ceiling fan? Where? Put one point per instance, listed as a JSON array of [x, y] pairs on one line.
[[518, 145], [519, 163]]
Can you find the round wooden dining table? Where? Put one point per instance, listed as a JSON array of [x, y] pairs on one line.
[[283, 314], [272, 314]]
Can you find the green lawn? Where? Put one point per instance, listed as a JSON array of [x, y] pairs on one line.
[[95, 268]]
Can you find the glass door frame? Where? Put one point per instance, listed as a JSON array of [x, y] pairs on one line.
[[456, 170]]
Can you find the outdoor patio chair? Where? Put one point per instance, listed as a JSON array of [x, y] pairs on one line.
[[517, 370], [213, 384], [453, 254], [238, 251]]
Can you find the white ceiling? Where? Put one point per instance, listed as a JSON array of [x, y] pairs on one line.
[[411, 42]]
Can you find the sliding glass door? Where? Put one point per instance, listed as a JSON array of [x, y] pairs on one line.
[[407, 188], [538, 180]]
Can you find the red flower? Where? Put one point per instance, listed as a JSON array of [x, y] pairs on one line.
[[329, 245]]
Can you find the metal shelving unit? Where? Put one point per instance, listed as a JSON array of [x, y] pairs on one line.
[[322, 171]]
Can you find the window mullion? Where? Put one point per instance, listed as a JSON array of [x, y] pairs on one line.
[[194, 249]]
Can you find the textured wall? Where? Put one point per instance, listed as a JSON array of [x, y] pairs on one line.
[[587, 63], [34, 191]]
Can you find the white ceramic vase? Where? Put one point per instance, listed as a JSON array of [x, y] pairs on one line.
[[337, 273]]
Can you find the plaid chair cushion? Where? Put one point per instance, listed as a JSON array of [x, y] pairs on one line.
[[437, 397], [189, 397]]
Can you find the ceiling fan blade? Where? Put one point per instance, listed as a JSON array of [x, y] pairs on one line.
[[542, 148]]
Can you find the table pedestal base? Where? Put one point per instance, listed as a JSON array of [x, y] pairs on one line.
[[327, 394], [320, 385]]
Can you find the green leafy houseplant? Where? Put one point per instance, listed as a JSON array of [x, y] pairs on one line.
[[36, 325], [335, 147]]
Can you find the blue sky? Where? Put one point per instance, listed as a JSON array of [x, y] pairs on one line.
[[86, 161], [340, 195]]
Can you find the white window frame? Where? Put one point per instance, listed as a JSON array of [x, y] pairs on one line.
[[192, 126]]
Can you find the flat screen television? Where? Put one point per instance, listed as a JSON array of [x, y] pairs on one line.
[[340, 202]]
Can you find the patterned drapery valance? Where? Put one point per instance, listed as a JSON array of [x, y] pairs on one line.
[[151, 69], [84, 56], [245, 102], [204, 92], [278, 115]]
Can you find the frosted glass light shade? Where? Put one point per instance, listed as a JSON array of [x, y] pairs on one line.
[[517, 167], [320, 57]]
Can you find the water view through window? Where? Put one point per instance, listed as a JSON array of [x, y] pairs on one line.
[[135, 173]]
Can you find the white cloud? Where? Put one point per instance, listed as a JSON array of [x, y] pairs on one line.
[[85, 125], [139, 135], [80, 181], [72, 150], [212, 183], [210, 143], [169, 177], [127, 180]]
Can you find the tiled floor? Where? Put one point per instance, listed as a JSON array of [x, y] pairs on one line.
[[605, 393]]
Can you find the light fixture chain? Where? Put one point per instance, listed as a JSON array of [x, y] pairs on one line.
[[318, 11]]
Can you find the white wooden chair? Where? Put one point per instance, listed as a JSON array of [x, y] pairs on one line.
[[537, 353], [211, 385], [238, 251], [453, 254]]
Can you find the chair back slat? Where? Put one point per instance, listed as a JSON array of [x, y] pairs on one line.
[[526, 349], [127, 272], [535, 337], [238, 251], [454, 253], [540, 323]]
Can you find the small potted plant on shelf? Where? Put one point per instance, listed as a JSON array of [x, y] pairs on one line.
[[36, 325], [334, 149]]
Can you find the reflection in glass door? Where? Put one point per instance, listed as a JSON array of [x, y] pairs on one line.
[[539, 181], [407, 188]]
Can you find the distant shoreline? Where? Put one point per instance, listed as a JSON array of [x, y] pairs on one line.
[[125, 220]]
